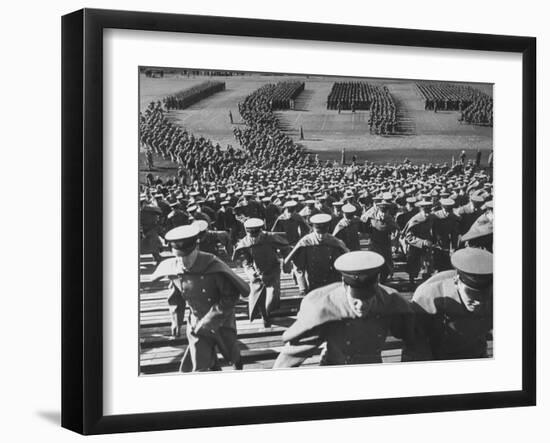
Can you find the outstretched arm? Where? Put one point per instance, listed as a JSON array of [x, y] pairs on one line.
[[295, 352]]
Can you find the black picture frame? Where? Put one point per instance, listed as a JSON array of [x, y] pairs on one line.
[[82, 219]]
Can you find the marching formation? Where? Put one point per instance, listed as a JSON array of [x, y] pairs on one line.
[[280, 95], [197, 157], [365, 96], [480, 112], [475, 106], [265, 144], [187, 97]]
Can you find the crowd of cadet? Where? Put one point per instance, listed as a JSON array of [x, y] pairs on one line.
[[336, 230], [301, 221]]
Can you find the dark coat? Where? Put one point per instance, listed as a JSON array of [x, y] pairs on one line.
[[295, 227], [403, 218], [418, 230], [445, 231], [315, 259], [348, 230], [326, 317], [445, 328], [468, 214], [210, 289], [262, 267], [380, 231], [176, 218]]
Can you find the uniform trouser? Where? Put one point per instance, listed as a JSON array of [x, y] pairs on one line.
[[201, 354], [416, 259], [299, 279], [442, 260], [386, 252], [176, 307], [268, 298]]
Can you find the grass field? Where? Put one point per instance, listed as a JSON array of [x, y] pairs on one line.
[[426, 136]]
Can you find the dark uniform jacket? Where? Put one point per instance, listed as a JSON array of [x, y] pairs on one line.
[[326, 317], [207, 210], [202, 216], [445, 229], [211, 239], [468, 214], [418, 229], [403, 218], [252, 209], [348, 231], [271, 214], [480, 234], [165, 208], [380, 231], [261, 265], [225, 219], [210, 289], [315, 259], [294, 226], [445, 328], [176, 218], [308, 212], [150, 230]]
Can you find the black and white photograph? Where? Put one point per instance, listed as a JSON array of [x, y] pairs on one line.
[[294, 220], [274, 221]]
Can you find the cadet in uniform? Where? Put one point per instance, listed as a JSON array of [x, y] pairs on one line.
[[209, 240], [408, 212], [250, 207], [480, 235], [271, 212], [211, 289], [454, 309], [349, 227], [177, 217], [351, 319], [402, 218], [419, 238], [258, 252], [295, 227], [469, 213], [380, 226], [445, 231], [196, 214], [291, 223], [151, 230], [309, 210], [314, 254]]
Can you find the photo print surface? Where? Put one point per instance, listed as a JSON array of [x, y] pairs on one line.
[[294, 220]]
